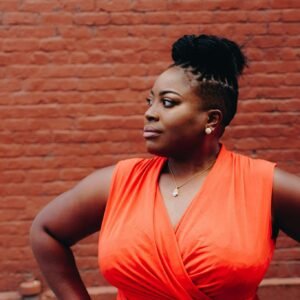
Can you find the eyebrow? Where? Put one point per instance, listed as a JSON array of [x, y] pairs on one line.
[[165, 92]]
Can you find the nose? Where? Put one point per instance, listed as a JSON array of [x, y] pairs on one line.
[[151, 114]]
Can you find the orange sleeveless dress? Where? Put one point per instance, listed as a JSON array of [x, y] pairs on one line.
[[220, 249]]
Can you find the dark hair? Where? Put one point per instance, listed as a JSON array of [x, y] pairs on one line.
[[217, 63]]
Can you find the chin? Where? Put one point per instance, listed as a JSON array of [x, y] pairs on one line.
[[155, 150]]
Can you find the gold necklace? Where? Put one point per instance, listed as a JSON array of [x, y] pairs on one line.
[[175, 192]]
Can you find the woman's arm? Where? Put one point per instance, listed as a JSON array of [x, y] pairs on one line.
[[286, 203], [67, 219]]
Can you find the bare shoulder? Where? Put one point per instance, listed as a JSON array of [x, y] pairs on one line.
[[286, 202], [78, 212]]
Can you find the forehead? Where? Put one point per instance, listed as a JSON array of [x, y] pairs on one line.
[[176, 79]]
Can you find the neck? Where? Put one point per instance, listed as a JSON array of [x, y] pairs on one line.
[[202, 158]]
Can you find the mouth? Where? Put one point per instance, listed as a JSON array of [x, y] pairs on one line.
[[151, 132]]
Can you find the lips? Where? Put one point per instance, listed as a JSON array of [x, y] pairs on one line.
[[151, 132]]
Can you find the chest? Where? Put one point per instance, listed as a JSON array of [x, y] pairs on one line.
[[176, 207]]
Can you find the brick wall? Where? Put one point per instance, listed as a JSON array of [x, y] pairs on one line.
[[73, 78]]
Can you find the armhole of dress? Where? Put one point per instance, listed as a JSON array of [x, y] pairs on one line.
[[122, 164], [274, 226], [108, 200]]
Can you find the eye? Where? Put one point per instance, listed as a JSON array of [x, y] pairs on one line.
[[149, 101], [168, 103]]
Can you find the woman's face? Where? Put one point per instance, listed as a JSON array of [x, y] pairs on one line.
[[174, 121]]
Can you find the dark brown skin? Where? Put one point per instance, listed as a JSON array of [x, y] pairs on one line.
[[286, 203], [63, 222], [78, 212]]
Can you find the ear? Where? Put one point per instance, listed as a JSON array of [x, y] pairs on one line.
[[215, 117]]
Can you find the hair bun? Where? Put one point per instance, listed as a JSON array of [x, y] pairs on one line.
[[184, 49], [210, 56], [238, 56]]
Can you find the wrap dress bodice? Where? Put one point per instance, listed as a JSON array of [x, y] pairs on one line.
[[220, 249]]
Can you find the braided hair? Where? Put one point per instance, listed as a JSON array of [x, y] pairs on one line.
[[216, 64]]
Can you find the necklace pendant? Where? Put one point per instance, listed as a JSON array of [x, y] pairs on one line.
[[175, 193]]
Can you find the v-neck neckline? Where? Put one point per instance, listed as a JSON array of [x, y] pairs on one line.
[[199, 193]]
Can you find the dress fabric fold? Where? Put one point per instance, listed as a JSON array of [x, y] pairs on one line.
[[220, 249]]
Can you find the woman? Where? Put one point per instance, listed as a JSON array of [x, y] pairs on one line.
[[196, 221]]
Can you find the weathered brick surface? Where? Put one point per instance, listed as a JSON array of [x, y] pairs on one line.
[[73, 78]]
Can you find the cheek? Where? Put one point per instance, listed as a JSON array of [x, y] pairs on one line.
[[185, 123]]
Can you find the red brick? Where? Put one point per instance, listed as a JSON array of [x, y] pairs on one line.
[[277, 4], [92, 19], [95, 45], [30, 32], [9, 5], [51, 85], [290, 15], [78, 5], [292, 79], [264, 105], [162, 17], [39, 58], [256, 4], [292, 41], [5, 59], [109, 123], [128, 69], [75, 32], [18, 71], [269, 92], [146, 31], [17, 18], [35, 124], [266, 118], [11, 151], [121, 18], [112, 6], [102, 84], [281, 28], [258, 131], [283, 269], [209, 17], [257, 16], [109, 96], [289, 54], [56, 19], [111, 31], [22, 45], [148, 56], [53, 44], [265, 80], [116, 56], [290, 254], [94, 57], [279, 155], [279, 292], [16, 227], [136, 44], [75, 58], [11, 85], [46, 175], [274, 67], [154, 5], [8, 177], [89, 70], [141, 84], [194, 5], [39, 6]]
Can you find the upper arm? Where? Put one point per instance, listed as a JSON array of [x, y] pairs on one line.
[[78, 212], [286, 203]]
